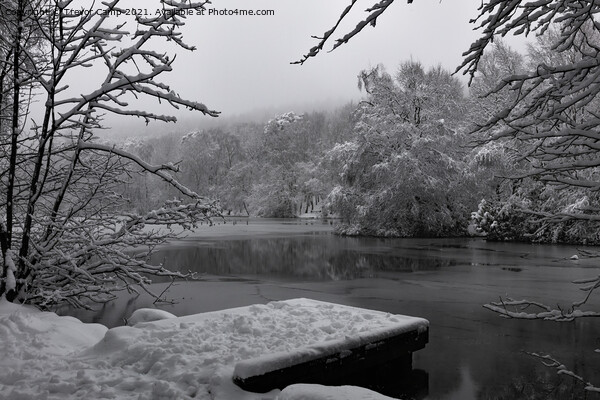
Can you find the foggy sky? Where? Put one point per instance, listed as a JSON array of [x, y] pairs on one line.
[[242, 63]]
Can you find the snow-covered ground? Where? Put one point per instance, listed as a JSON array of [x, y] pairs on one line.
[[318, 392], [45, 356]]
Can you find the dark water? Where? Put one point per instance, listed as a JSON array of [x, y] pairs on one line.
[[472, 354], [312, 257]]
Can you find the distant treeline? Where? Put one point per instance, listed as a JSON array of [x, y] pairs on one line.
[[402, 162]]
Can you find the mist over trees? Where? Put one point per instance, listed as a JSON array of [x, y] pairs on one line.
[[420, 155]]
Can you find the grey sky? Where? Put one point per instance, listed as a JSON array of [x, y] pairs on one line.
[[243, 62]]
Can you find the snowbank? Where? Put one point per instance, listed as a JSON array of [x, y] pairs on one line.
[[46, 334], [46, 356], [148, 315], [319, 392]]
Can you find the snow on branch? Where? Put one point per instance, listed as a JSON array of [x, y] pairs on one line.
[[147, 116], [510, 308], [552, 116], [91, 259], [527, 309], [561, 369], [95, 38], [174, 212], [374, 12], [501, 17], [159, 170], [139, 83], [75, 237]]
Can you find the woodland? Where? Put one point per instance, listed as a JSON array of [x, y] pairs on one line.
[[414, 158], [512, 155]]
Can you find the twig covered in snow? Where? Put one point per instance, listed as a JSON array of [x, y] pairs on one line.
[[374, 12], [561, 369], [67, 238], [521, 309], [527, 309], [510, 308]]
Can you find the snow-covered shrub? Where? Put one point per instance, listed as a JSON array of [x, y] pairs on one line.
[[501, 221], [514, 220]]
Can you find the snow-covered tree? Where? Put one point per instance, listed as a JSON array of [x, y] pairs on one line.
[[275, 188], [498, 62], [553, 114], [283, 164], [553, 107], [63, 236], [404, 172], [548, 115]]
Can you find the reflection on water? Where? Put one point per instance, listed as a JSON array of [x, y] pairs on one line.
[[536, 385], [472, 353], [299, 253], [317, 257], [467, 387]]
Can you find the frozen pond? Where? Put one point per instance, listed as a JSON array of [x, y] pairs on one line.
[[472, 354]]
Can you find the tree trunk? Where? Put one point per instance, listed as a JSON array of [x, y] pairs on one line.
[[3, 247], [15, 125]]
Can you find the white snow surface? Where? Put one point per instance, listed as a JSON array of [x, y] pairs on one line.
[[46, 356], [11, 282], [148, 315], [303, 391], [346, 327]]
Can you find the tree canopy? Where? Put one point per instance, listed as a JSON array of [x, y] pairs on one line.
[[549, 107]]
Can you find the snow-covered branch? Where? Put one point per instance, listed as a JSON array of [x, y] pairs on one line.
[[70, 231], [518, 309], [561, 369], [159, 170], [527, 309], [373, 13]]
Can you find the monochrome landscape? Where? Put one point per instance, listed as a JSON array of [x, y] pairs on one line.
[[192, 192]]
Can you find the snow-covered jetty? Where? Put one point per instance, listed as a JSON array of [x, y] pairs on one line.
[[358, 339], [43, 355]]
